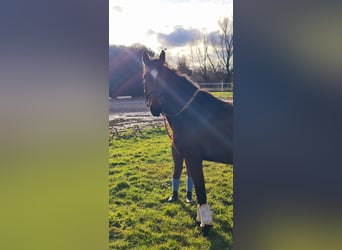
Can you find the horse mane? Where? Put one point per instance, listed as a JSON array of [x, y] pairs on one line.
[[176, 74]]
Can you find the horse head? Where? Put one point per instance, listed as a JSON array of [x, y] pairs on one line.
[[153, 82]]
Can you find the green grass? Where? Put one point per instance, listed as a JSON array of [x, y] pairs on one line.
[[223, 94], [139, 185]]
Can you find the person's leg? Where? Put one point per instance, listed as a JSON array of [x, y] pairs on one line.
[[177, 171]]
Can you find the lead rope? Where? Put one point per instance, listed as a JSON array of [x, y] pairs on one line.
[[167, 128], [169, 135], [174, 115]]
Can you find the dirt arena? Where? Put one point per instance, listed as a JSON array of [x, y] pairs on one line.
[[128, 112]]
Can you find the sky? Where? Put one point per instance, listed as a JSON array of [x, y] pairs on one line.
[[171, 24]]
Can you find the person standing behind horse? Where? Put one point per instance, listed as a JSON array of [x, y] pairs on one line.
[[177, 171]]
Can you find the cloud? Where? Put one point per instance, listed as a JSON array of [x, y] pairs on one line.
[[179, 37], [151, 32], [117, 8], [213, 36]]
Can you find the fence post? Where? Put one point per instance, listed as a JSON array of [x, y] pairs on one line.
[[138, 131], [116, 133]]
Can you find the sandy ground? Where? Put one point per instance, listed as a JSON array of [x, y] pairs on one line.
[[126, 113], [132, 105]]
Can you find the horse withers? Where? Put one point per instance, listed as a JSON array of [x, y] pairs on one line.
[[202, 125]]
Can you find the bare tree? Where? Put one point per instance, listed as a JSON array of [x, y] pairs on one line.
[[199, 57], [212, 57], [223, 48], [183, 66]]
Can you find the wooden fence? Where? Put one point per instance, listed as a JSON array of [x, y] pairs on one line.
[[137, 130]]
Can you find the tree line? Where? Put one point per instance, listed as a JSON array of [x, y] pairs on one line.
[[209, 60]]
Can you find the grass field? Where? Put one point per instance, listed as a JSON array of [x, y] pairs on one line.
[[139, 184], [223, 94]]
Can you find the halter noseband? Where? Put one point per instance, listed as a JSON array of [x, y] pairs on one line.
[[158, 92]]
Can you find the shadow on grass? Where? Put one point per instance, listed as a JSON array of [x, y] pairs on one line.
[[217, 239]]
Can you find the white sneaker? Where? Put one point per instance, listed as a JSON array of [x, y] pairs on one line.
[[206, 215]]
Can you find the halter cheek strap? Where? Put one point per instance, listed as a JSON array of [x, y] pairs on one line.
[[158, 92], [185, 106]]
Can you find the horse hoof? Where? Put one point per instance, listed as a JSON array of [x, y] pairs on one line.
[[205, 230]]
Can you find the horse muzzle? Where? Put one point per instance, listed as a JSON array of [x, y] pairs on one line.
[[155, 106], [155, 111], [153, 100]]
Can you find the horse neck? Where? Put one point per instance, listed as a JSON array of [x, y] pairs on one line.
[[180, 90]]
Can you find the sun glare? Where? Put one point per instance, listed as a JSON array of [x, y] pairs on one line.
[[140, 21]]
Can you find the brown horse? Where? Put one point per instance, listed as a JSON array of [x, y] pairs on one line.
[[202, 125]]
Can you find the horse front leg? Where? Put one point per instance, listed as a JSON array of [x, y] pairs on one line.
[[196, 170], [204, 213]]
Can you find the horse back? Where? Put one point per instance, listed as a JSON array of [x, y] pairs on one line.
[[206, 129]]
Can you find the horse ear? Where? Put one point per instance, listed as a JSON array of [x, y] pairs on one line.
[[145, 58], [162, 57]]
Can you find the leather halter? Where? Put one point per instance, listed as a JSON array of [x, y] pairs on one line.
[[185, 106], [160, 93]]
